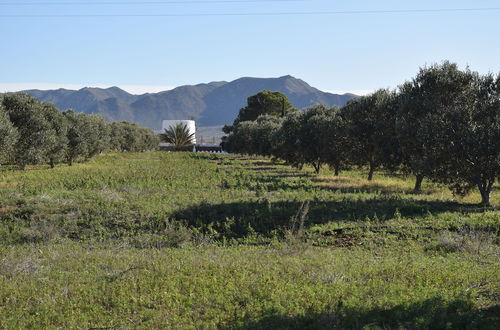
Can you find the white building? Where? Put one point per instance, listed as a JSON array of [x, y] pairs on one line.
[[190, 124]]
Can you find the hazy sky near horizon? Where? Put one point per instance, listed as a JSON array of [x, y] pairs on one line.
[[340, 46]]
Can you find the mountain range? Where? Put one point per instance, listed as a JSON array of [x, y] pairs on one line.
[[211, 104]]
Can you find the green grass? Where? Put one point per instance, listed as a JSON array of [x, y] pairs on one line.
[[182, 240]]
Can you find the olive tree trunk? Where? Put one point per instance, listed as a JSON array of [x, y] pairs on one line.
[[485, 188], [372, 169], [418, 183], [317, 166]]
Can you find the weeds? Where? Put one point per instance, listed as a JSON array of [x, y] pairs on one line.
[[295, 236], [476, 243], [179, 240]]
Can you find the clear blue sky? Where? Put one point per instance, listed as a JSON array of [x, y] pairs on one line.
[[45, 43]]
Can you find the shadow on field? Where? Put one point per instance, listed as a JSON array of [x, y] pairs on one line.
[[347, 185], [273, 174], [238, 219], [269, 163], [275, 182], [433, 313]]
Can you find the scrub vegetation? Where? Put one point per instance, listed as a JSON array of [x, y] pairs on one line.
[[185, 240]]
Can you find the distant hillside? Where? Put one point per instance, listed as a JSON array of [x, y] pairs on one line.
[[212, 104]]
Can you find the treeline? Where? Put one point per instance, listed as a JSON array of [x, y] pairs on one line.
[[34, 132], [443, 125]]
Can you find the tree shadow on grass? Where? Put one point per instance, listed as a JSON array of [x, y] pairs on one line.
[[238, 219], [274, 181], [272, 177], [269, 163], [433, 313], [274, 174], [347, 185]]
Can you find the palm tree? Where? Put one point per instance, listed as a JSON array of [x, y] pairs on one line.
[[179, 136]]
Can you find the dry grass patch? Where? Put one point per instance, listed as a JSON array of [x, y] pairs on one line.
[[7, 209], [357, 184]]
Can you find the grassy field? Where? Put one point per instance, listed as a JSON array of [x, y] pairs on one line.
[[181, 240]]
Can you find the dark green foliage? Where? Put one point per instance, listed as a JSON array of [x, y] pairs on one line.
[[58, 150], [443, 125], [118, 135], [304, 137], [148, 139], [449, 128], [317, 136], [77, 140], [125, 136], [36, 134], [33, 132], [8, 136], [423, 101], [312, 137], [371, 127], [179, 136], [254, 137], [241, 138], [322, 137], [286, 141], [337, 145], [97, 133], [263, 103], [466, 139]]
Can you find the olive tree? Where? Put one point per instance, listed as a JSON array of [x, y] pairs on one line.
[[77, 142], [241, 139], [336, 148], [265, 128], [254, 137], [97, 134], [125, 136], [118, 130], [313, 137], [425, 98], [371, 128], [286, 142], [148, 139], [465, 139], [36, 135], [57, 151], [8, 136], [88, 135]]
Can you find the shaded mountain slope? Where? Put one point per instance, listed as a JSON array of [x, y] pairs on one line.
[[215, 103]]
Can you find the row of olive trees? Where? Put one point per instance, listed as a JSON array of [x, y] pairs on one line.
[[34, 132], [443, 125]]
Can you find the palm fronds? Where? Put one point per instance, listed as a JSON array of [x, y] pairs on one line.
[[179, 136]]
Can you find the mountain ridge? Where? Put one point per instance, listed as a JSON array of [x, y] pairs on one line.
[[210, 104]]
